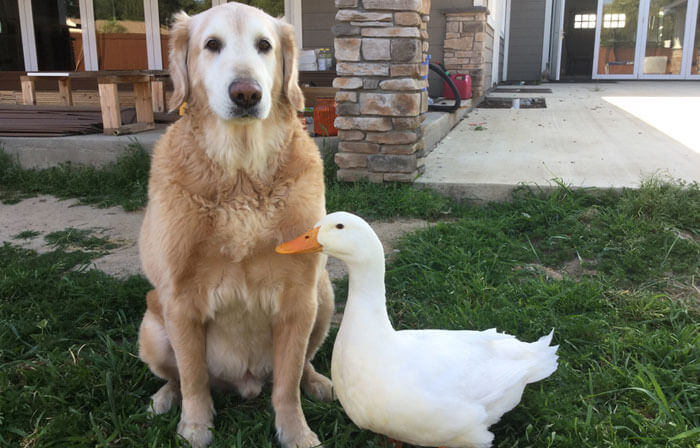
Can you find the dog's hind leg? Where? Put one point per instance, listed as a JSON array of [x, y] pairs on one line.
[[313, 383]]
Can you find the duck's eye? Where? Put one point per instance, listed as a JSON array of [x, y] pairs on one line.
[[339, 226], [213, 45], [264, 46]]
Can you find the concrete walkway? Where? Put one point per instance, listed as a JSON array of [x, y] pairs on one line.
[[589, 135]]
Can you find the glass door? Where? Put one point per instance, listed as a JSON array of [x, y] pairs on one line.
[[647, 39], [665, 35], [694, 47], [616, 39]]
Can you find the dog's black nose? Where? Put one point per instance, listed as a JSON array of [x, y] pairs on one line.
[[246, 93]]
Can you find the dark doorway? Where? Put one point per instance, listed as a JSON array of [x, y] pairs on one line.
[[53, 20], [579, 39], [11, 56]]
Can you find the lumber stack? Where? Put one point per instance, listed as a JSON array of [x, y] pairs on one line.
[[53, 121]]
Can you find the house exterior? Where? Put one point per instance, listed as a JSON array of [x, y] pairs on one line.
[[556, 39], [532, 39], [382, 49]]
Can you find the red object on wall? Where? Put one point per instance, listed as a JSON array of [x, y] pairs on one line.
[[463, 82], [324, 117]]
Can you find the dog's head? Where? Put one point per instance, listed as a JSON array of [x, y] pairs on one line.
[[235, 58]]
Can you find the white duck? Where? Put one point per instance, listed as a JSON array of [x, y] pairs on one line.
[[424, 387]]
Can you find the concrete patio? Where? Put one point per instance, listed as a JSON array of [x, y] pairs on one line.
[[590, 135]]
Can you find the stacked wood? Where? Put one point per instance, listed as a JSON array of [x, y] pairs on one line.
[[53, 121]]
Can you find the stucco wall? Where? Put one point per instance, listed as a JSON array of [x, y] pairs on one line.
[[526, 39]]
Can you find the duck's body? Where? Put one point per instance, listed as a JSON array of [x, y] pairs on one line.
[[424, 387]]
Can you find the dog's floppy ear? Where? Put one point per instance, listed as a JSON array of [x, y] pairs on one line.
[[290, 59], [179, 43]]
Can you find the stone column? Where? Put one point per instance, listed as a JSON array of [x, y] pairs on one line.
[[380, 48], [468, 46]]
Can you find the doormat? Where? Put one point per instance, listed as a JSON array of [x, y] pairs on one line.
[[523, 90], [512, 103]]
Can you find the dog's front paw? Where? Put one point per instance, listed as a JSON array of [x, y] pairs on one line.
[[317, 386], [306, 439], [198, 435], [163, 400]]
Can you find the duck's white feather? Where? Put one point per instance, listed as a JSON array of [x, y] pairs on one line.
[[425, 387]]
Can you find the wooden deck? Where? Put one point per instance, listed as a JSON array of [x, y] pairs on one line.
[[58, 121]]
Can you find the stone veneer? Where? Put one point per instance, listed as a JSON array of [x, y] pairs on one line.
[[380, 48], [468, 46]]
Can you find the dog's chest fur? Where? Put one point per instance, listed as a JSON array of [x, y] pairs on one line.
[[246, 217]]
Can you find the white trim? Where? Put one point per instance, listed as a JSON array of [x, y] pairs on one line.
[[641, 43], [689, 46], [547, 35], [292, 15], [506, 41], [596, 40], [687, 38], [497, 34], [26, 25], [218, 2], [491, 17], [153, 48], [87, 25], [561, 37]]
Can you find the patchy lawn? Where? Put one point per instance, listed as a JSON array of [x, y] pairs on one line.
[[616, 275]]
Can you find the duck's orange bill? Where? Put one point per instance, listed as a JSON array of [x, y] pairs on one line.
[[303, 244]]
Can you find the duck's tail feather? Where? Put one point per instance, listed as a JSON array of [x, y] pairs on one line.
[[545, 358]]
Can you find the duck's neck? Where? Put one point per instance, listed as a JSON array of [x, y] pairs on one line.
[[366, 304]]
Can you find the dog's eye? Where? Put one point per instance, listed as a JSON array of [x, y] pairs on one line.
[[264, 46], [213, 45], [339, 226]]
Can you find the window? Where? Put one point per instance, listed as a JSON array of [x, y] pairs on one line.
[[584, 21], [614, 20]]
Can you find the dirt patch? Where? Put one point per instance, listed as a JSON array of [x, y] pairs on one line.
[[34, 218], [576, 268], [573, 269]]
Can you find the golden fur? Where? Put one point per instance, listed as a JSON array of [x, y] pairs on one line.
[[226, 310]]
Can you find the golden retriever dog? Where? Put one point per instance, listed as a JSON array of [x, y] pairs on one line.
[[234, 177]]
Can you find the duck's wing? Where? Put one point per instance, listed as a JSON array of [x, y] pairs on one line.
[[480, 365]]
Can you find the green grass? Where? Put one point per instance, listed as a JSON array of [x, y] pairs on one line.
[[627, 324], [72, 238], [616, 275], [26, 235], [123, 183], [385, 201]]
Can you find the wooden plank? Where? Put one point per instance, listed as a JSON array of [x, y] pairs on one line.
[[311, 94], [28, 90], [129, 129], [144, 106], [109, 103], [158, 96], [19, 108], [65, 92], [122, 79]]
